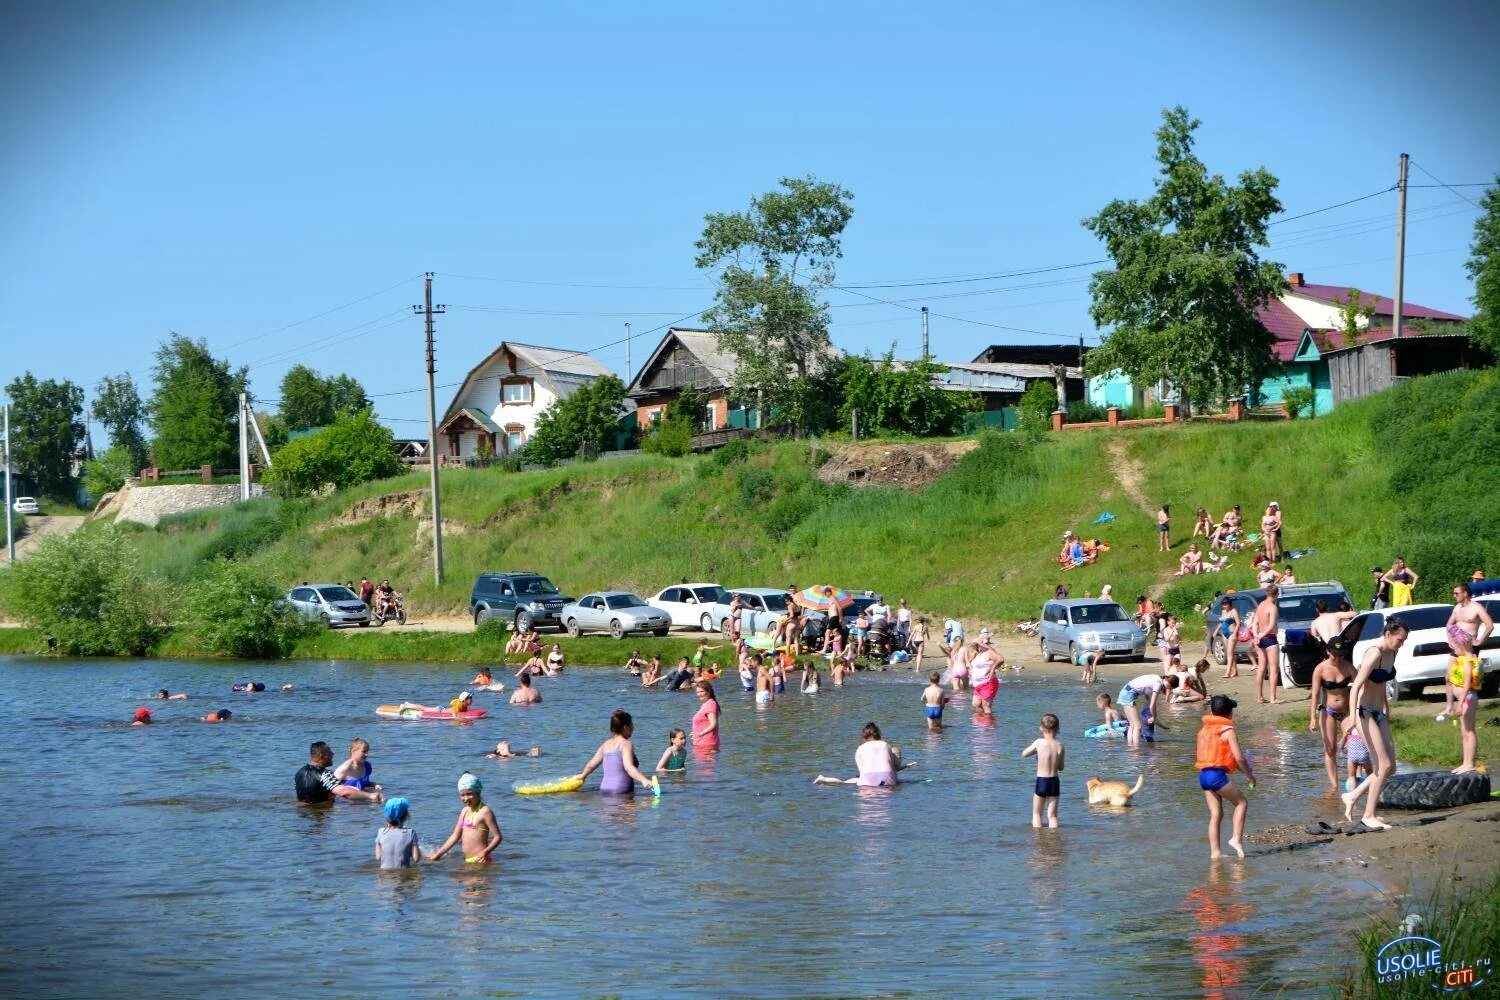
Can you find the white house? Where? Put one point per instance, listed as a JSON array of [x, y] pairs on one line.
[[494, 412]]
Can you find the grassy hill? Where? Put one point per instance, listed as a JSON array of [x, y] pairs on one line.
[[1410, 472]]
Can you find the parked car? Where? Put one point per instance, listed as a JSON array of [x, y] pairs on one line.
[[332, 603], [527, 600], [26, 505], [1423, 659], [616, 612], [1089, 624], [764, 608], [851, 611], [1297, 605], [691, 605]]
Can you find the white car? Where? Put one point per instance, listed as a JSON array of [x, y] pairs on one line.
[[763, 609], [26, 505], [691, 605], [1423, 659]]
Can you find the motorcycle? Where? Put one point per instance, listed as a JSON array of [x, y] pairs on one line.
[[391, 609]]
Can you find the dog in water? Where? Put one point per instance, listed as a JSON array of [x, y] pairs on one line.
[[1112, 793]]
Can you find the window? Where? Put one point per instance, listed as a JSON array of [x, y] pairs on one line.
[[515, 437], [670, 595], [302, 594], [516, 392], [1374, 625]]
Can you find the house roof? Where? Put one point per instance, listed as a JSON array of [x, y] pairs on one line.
[[562, 370], [474, 415], [702, 344], [1017, 369], [1380, 335], [1383, 305], [1286, 326]]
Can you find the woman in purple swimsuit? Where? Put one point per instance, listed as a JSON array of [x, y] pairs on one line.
[[617, 756]]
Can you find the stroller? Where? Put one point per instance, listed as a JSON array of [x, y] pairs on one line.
[[813, 628], [879, 641]]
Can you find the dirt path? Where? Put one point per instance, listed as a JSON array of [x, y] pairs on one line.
[[39, 527], [1131, 476]]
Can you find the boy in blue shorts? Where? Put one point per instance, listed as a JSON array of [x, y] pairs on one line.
[[933, 700]]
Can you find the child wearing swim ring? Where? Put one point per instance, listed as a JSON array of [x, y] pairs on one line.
[[396, 846], [674, 757], [477, 828], [355, 772], [1218, 756], [1110, 715]]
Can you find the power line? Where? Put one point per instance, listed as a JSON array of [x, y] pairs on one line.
[[960, 319], [524, 311], [1330, 208], [326, 312], [579, 284], [343, 336], [1450, 187]]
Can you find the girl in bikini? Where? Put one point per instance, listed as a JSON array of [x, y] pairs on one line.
[[1368, 696], [1329, 703], [1229, 630], [477, 828]]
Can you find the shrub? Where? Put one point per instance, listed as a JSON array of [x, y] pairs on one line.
[[86, 590], [1037, 404], [1299, 398], [108, 472], [1188, 593], [491, 630], [244, 537], [233, 610], [672, 438], [1083, 412], [755, 486], [354, 450], [735, 451]]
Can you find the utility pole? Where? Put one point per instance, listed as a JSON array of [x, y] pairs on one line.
[[1400, 249], [10, 535], [244, 450], [925, 353], [427, 309], [1080, 355], [627, 354]]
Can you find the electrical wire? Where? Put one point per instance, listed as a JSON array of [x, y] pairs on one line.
[[326, 312], [1450, 187]]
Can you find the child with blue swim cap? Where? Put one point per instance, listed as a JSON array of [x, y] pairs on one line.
[[396, 846]]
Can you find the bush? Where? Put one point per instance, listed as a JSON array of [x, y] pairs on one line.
[[233, 610], [244, 537], [672, 438], [1299, 398], [1037, 404], [1083, 412], [755, 486], [491, 630], [86, 590], [1189, 592], [108, 472], [356, 449]]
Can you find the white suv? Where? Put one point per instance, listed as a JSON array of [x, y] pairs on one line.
[[1423, 659]]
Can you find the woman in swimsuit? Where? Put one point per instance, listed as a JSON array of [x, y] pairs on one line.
[[706, 719], [617, 757], [1163, 528], [1368, 695], [1171, 647], [556, 661], [958, 667], [1229, 630], [1204, 525], [1330, 703], [477, 828], [878, 763]]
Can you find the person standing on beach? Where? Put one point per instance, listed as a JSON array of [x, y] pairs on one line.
[[1218, 756], [1469, 626], [1368, 695], [1329, 703], [1163, 528], [1264, 622], [1270, 530], [1402, 575]]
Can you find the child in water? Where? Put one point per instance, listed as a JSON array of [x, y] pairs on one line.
[[222, 715], [162, 695], [674, 758], [396, 846], [1110, 715], [355, 772], [1218, 756], [477, 828], [933, 700], [1050, 758], [142, 717], [503, 751], [810, 683]]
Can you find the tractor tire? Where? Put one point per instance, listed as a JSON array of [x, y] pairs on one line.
[[1435, 790]]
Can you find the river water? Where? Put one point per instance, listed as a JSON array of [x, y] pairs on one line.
[[172, 859]]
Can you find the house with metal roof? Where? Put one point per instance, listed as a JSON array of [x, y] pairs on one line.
[[689, 357], [494, 411]]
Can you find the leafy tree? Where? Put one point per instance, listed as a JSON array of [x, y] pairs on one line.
[[87, 591], [118, 406], [355, 449], [1484, 267], [773, 260], [1036, 406], [233, 610], [193, 410], [1187, 279], [672, 433], [46, 431], [109, 471], [310, 400], [1354, 317], [273, 429], [901, 399], [581, 424]]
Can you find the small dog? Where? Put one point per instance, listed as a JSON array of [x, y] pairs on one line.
[[1113, 793]]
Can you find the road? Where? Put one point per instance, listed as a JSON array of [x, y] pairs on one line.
[[40, 526]]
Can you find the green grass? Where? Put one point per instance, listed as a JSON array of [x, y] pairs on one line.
[[21, 642]]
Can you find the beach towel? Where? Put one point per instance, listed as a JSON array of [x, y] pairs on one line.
[[1400, 594], [1300, 553], [1104, 518]]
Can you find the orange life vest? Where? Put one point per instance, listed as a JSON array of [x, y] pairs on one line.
[[1213, 749]]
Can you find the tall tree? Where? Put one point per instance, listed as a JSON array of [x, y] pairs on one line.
[[46, 431], [901, 399], [1187, 277], [1484, 267], [194, 406], [310, 400], [118, 406], [773, 260], [582, 424]]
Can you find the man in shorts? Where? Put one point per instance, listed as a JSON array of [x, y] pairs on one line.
[[1264, 622], [317, 785]]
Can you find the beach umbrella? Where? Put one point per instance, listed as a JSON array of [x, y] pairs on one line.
[[823, 598]]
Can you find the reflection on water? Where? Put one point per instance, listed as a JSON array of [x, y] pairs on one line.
[[743, 878]]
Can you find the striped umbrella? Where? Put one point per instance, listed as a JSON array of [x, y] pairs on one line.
[[823, 598]]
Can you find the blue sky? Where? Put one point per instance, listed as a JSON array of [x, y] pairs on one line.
[[231, 173]]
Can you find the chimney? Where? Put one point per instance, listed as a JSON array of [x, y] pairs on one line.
[[1295, 279]]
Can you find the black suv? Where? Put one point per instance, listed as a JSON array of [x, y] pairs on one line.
[[527, 599]]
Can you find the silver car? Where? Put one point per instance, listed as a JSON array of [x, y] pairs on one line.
[[331, 603], [1087, 624], [615, 612]]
